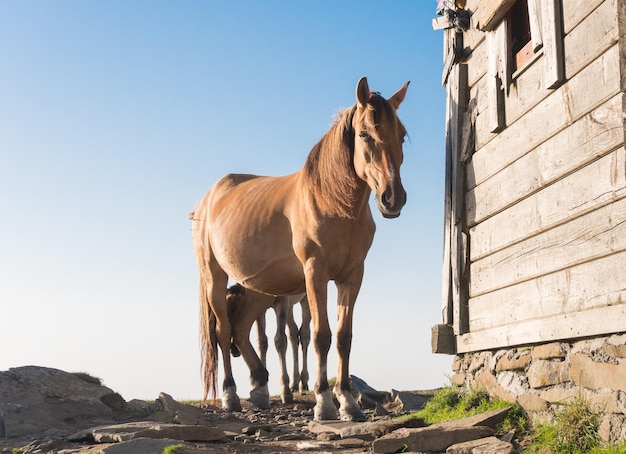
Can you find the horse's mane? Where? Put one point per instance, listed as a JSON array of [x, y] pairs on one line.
[[329, 170]]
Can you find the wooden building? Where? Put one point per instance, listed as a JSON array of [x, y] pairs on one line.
[[535, 227]]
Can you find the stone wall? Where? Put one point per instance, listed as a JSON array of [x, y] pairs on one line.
[[541, 378]]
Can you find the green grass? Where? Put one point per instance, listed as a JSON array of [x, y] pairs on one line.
[[453, 403], [171, 449], [574, 431]]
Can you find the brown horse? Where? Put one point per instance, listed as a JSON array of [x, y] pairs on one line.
[[247, 307], [294, 234]]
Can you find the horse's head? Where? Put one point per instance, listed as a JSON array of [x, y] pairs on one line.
[[379, 136]]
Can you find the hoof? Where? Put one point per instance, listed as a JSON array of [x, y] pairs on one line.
[[231, 403], [324, 408], [352, 414], [260, 397], [287, 398], [324, 413]]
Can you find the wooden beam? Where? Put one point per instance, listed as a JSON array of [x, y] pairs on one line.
[[594, 322], [490, 12], [454, 272], [443, 340]]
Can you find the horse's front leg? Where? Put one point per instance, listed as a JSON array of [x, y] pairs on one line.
[[347, 292], [317, 292]]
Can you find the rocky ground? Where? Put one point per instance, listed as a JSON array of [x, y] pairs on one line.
[[50, 411]]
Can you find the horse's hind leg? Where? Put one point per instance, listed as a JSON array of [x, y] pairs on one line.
[[262, 338], [216, 281], [305, 338], [280, 341], [294, 341], [242, 320]]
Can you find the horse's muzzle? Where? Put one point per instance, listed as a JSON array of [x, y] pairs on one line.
[[390, 202]]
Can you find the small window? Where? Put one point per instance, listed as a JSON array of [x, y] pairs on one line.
[[519, 26]]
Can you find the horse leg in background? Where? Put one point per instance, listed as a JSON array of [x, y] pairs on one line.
[[281, 307], [346, 297], [262, 338], [242, 319], [294, 340], [305, 338], [317, 292]]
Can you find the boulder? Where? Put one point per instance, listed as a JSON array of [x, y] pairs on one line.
[[36, 400]]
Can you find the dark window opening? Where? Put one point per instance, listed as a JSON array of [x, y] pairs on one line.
[[519, 26]]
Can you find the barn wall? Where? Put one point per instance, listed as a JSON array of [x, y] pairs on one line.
[[545, 194]]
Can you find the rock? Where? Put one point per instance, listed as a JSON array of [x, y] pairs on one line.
[[488, 445], [181, 413], [359, 385], [139, 446], [347, 443], [542, 373], [363, 430], [437, 437], [34, 400], [408, 401], [588, 373], [379, 410], [366, 402], [148, 429]]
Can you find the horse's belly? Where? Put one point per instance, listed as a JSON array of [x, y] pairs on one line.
[[261, 259], [275, 274]]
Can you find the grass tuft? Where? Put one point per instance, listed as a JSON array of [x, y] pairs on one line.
[[574, 430], [454, 403], [88, 378]]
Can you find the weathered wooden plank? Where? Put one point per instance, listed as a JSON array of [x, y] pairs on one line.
[[552, 36], [621, 19], [477, 63], [575, 11], [453, 208], [490, 12], [591, 87], [594, 322], [534, 17], [588, 235], [597, 32], [585, 44], [589, 285], [588, 138], [497, 75]]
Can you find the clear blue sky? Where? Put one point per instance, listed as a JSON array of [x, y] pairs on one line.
[[117, 116]]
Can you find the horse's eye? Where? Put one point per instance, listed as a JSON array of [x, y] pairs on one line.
[[364, 135]]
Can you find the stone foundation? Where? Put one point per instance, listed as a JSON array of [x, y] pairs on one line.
[[541, 378]]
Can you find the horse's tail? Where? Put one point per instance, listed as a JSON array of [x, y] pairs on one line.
[[208, 344]]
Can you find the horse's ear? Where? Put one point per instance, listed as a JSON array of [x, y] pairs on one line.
[[398, 96], [362, 92]]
